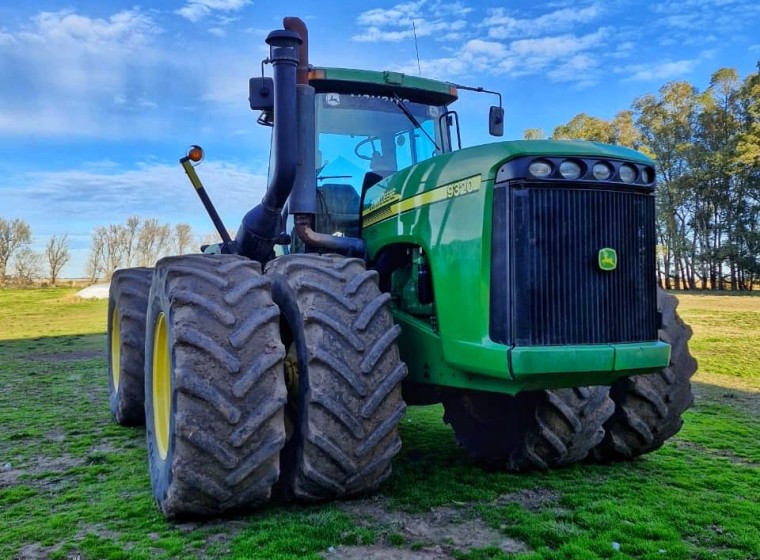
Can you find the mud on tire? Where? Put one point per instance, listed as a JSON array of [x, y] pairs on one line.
[[127, 305], [348, 402], [648, 408], [535, 430], [214, 367]]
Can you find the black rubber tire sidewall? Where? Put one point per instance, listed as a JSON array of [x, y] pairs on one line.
[[160, 469], [128, 296]]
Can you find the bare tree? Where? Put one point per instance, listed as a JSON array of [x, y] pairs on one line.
[[107, 251], [95, 260], [153, 242], [14, 235], [212, 238], [130, 234], [27, 265], [57, 253], [183, 239]]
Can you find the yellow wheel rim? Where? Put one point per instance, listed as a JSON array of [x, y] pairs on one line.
[[162, 389], [115, 350]]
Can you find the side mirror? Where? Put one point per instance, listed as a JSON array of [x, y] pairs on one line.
[[496, 121], [261, 93]]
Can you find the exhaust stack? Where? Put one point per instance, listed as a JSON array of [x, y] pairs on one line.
[[262, 226]]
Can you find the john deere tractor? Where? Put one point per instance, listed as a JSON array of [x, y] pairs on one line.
[[388, 266]]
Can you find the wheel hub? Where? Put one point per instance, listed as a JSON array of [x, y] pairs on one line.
[[162, 402]]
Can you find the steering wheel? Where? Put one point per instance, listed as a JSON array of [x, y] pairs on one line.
[[371, 141]]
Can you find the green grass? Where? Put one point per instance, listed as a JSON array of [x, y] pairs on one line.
[[78, 484]]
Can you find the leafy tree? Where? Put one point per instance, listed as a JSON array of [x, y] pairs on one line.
[[667, 127], [586, 127], [533, 134], [626, 134]]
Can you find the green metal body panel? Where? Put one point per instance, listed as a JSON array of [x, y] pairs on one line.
[[444, 206]]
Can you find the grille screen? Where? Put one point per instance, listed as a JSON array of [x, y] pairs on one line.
[[559, 294]]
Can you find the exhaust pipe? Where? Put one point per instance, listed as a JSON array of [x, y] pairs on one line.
[[261, 226], [303, 200], [293, 180]]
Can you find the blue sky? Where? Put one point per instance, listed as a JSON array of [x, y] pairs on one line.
[[99, 99]]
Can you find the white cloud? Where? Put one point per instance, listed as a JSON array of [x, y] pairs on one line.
[[400, 22], [67, 66], [502, 25], [196, 10], [564, 58], [547, 48], [659, 71], [686, 22], [400, 14], [422, 28], [127, 28]]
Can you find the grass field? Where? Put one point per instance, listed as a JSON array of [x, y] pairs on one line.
[[75, 485]]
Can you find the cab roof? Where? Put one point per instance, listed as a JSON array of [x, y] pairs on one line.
[[371, 82]]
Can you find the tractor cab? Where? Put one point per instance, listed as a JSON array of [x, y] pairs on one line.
[[368, 125]]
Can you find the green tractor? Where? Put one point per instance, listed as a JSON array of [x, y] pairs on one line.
[[387, 266]]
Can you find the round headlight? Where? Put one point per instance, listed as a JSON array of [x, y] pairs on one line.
[[570, 169], [627, 173], [647, 175], [601, 171], [540, 168]]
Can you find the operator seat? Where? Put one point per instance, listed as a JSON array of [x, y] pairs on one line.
[[337, 209]]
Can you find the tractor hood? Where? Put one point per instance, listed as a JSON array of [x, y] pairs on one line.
[[469, 170]]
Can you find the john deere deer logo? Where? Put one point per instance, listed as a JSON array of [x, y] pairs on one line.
[[608, 259]]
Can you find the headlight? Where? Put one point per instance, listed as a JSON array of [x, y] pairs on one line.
[[540, 168], [627, 173], [601, 171], [570, 169], [647, 175]]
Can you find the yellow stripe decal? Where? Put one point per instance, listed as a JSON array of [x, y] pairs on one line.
[[390, 205]]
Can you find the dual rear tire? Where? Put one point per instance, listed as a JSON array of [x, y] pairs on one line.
[[215, 390]]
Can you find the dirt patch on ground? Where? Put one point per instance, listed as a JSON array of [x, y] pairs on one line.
[[724, 453], [73, 356], [742, 397], [531, 499], [436, 534], [9, 473]]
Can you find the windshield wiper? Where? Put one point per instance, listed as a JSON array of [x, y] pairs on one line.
[[404, 109]]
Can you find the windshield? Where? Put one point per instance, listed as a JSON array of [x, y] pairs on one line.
[[357, 134]]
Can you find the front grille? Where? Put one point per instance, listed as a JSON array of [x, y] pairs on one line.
[[558, 294]]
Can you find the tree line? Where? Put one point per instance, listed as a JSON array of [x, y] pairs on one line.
[[19, 264], [137, 242], [706, 146]]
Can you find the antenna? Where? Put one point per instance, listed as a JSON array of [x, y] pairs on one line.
[[417, 50]]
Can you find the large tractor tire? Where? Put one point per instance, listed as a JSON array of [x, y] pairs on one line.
[[127, 305], [648, 408], [214, 388], [346, 402], [535, 430]]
